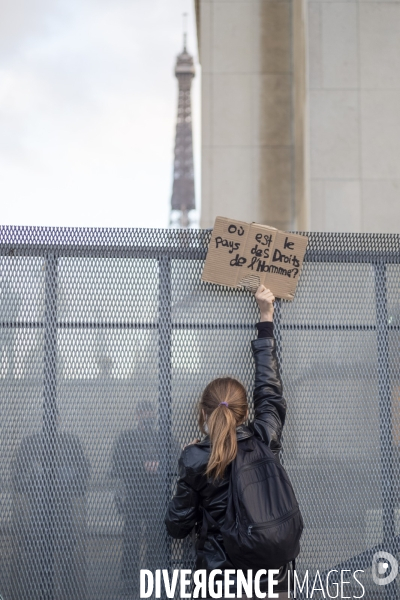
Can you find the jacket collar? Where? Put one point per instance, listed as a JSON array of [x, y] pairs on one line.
[[242, 432]]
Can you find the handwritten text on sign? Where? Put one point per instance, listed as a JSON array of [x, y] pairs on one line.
[[241, 250]]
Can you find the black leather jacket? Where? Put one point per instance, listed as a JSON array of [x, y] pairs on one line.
[[194, 490]]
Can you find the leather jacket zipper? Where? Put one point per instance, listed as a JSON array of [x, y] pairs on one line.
[[273, 523]]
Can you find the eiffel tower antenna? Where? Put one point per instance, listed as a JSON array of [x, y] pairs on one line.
[[183, 198], [184, 31]]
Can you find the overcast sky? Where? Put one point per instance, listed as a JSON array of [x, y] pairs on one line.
[[88, 104]]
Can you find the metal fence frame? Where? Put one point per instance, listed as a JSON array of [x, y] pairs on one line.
[[52, 244]]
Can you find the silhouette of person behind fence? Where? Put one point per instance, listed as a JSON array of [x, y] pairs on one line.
[[49, 479], [139, 463]]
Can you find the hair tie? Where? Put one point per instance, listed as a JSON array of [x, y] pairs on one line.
[[224, 403]]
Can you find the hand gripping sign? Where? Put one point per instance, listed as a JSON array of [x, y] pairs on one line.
[[245, 255]]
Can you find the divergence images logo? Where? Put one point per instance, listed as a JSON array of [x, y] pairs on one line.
[[384, 568]]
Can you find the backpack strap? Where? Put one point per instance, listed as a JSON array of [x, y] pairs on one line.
[[293, 565]]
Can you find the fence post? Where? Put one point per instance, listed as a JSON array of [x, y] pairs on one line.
[[385, 418], [165, 376], [278, 341], [49, 426]]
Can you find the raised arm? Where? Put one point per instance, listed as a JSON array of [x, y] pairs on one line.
[[269, 404]]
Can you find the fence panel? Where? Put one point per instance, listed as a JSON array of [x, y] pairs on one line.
[[107, 338]]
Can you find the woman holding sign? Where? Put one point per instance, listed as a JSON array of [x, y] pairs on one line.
[[232, 488]]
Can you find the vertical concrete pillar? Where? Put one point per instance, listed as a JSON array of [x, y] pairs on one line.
[[253, 110]]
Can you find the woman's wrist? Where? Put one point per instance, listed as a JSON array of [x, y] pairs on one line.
[[267, 317]]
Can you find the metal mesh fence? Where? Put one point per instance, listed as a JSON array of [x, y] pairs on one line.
[[107, 338]]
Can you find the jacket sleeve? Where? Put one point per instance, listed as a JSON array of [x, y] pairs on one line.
[[269, 403], [183, 509]]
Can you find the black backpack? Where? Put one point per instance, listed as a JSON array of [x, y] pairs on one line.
[[263, 523]]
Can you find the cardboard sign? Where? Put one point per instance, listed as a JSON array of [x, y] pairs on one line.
[[248, 254]]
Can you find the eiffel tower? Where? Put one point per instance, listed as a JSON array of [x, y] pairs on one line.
[[183, 199]]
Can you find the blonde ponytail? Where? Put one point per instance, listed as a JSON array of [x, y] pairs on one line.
[[224, 406]]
